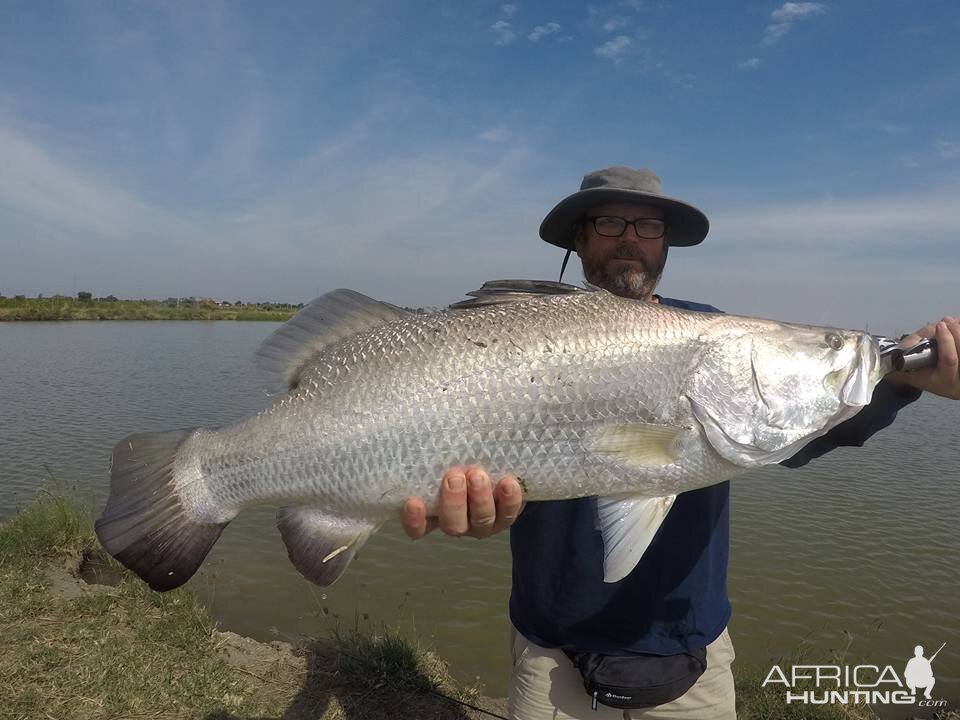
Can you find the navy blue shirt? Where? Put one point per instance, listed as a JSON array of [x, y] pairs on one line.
[[676, 597]]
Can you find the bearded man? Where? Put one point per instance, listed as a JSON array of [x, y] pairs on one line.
[[663, 627]]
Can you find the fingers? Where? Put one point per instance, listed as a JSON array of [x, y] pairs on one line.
[[413, 517], [908, 341], [491, 510], [509, 499], [453, 503], [468, 504], [481, 507], [948, 336], [927, 331], [944, 379], [948, 357]]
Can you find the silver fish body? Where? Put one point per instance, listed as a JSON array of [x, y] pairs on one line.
[[578, 394]]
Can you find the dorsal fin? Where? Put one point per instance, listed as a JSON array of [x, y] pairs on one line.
[[331, 317], [497, 292]]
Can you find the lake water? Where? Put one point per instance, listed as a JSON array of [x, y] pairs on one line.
[[861, 549]]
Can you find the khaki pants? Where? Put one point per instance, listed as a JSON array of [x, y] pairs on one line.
[[545, 685]]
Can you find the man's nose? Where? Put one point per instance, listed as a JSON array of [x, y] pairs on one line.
[[630, 235]]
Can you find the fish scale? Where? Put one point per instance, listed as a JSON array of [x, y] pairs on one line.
[[579, 393]]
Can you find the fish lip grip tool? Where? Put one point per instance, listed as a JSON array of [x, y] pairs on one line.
[[921, 355]]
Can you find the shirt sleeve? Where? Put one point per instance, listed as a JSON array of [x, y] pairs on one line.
[[888, 399]]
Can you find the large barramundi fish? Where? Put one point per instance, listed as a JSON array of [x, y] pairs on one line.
[[577, 392]]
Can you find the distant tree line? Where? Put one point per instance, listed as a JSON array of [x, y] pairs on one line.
[[85, 296], [87, 307]]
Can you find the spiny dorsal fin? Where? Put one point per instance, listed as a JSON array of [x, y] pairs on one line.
[[331, 317], [497, 292]]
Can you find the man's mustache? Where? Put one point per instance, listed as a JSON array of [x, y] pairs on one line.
[[628, 252]]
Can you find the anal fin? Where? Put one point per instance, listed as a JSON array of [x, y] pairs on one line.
[[628, 524], [321, 545]]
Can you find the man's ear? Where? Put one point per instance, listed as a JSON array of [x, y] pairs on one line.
[[578, 238]]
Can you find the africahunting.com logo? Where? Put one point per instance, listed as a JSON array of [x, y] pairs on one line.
[[853, 684]]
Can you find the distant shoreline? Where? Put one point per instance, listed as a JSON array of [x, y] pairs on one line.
[[67, 308]]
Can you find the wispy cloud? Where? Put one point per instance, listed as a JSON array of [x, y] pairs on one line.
[[749, 64], [614, 50], [614, 23], [42, 187], [607, 17], [819, 288], [509, 10], [887, 220], [875, 124], [503, 33], [101, 228], [949, 149], [784, 17], [495, 134], [541, 31], [887, 260]]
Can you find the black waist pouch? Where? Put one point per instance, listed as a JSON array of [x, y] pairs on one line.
[[635, 682]]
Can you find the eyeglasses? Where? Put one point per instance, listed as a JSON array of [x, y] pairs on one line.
[[612, 226]]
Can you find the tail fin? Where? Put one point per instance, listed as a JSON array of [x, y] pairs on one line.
[[144, 524]]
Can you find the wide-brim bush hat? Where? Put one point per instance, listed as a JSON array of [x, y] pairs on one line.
[[686, 225]]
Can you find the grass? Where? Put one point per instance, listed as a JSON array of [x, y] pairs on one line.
[[67, 308], [94, 651], [758, 703], [755, 702], [53, 525]]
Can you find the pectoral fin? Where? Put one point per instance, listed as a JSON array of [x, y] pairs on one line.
[[321, 545], [628, 524], [642, 444]]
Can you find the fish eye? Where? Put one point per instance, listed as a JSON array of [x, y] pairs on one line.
[[834, 341]]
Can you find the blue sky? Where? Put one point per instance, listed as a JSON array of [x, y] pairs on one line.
[[410, 150]]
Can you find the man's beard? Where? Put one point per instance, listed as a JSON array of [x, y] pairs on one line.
[[626, 279]]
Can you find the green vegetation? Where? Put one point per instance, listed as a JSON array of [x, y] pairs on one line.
[[51, 526], [755, 702], [78, 650], [87, 307]]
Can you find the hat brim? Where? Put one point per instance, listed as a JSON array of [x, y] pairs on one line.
[[686, 225]]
